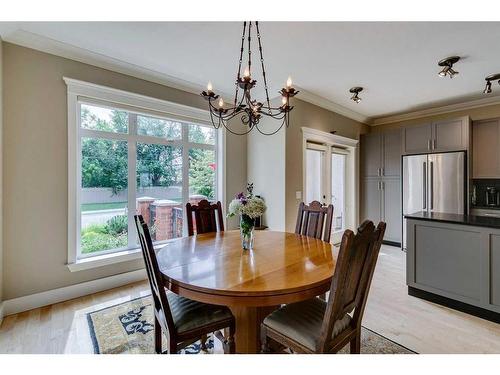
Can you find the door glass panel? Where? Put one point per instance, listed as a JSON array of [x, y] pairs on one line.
[[159, 189], [314, 175], [338, 192]]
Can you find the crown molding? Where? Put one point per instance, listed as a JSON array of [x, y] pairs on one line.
[[44, 44], [309, 97], [484, 102]]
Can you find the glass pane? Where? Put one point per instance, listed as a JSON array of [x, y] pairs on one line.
[[159, 189], [201, 134], [202, 177], [157, 127], [103, 119], [313, 176], [104, 182], [338, 191]]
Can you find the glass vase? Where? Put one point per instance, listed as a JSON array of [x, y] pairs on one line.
[[247, 226]]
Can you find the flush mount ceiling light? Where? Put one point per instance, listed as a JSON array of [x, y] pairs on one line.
[[492, 77], [355, 91], [447, 65], [249, 109]]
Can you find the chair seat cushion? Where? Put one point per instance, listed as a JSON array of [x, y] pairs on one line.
[[188, 314], [302, 322]]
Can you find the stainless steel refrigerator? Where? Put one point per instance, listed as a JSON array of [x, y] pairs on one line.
[[434, 183]]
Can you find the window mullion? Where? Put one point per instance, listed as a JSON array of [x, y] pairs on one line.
[[185, 175], [132, 180]]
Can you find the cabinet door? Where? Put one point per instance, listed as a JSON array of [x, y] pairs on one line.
[[391, 153], [371, 202], [485, 153], [392, 213], [417, 139], [371, 154], [450, 135]]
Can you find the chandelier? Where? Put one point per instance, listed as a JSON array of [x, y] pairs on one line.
[[250, 110]]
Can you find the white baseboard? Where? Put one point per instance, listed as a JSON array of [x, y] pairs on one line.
[[49, 297]]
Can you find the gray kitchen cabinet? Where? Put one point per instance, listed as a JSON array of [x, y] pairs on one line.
[[438, 136], [451, 135], [391, 153], [381, 200], [485, 149], [371, 154], [381, 154], [391, 209], [417, 139]]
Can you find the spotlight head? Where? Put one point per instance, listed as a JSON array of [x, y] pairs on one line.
[[355, 91], [447, 65], [487, 89]]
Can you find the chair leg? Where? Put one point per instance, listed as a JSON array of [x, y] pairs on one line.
[[158, 334], [230, 344], [356, 343], [263, 340], [203, 340], [172, 346]]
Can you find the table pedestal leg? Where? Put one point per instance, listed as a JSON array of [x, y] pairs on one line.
[[248, 320]]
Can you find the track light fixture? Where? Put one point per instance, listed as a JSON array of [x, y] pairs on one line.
[[447, 65], [355, 91], [491, 77]]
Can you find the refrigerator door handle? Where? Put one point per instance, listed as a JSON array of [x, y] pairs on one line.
[[431, 185], [424, 187]]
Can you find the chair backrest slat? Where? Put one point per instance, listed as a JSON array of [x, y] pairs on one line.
[[315, 220], [352, 278], [153, 271], [208, 217]]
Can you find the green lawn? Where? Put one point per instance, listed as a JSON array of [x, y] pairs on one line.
[[102, 206]]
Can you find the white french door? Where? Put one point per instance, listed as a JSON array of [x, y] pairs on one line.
[[325, 179]]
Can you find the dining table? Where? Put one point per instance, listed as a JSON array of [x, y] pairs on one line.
[[281, 268]]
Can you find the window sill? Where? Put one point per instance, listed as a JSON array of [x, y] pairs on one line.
[[104, 260]]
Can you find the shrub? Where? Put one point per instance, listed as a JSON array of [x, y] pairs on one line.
[[117, 225]]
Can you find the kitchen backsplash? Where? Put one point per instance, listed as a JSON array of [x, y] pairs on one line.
[[480, 190]]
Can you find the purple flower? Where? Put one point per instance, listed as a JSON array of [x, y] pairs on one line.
[[240, 196]]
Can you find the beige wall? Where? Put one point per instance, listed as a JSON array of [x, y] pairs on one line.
[[266, 169], [475, 114], [309, 115], [35, 166]]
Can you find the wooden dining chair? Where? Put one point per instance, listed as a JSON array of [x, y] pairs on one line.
[[183, 321], [205, 217], [316, 326], [315, 220]]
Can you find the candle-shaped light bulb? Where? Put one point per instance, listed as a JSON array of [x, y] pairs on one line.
[[209, 87], [221, 103], [283, 100], [246, 73], [289, 83]]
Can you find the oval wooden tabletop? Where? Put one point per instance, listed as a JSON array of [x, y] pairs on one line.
[[214, 264]]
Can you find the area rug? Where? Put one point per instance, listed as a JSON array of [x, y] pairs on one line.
[[127, 328]]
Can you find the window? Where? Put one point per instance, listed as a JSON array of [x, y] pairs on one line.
[[134, 161]]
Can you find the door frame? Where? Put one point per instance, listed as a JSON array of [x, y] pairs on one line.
[[350, 146]]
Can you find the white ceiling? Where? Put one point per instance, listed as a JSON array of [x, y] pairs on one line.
[[395, 62]]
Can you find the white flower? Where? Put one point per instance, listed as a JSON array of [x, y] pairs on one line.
[[252, 207]]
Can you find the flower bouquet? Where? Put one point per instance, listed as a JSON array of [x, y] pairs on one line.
[[249, 208]]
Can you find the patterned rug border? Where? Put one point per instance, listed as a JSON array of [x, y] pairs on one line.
[[95, 344]]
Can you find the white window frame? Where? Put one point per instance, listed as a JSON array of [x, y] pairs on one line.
[[80, 92]]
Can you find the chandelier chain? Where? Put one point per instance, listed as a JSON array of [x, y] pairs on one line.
[[239, 64], [262, 64]]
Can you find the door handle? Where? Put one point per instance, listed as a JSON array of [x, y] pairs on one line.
[[424, 186], [429, 144], [432, 185], [434, 144]]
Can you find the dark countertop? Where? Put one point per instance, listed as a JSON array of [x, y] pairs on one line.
[[473, 220]]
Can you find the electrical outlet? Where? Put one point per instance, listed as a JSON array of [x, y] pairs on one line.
[[298, 195]]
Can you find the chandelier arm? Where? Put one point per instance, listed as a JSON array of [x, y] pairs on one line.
[[262, 63], [239, 64], [236, 133]]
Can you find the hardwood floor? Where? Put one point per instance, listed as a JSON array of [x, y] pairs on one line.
[[417, 324]]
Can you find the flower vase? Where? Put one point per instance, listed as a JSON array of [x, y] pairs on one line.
[[247, 226]]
